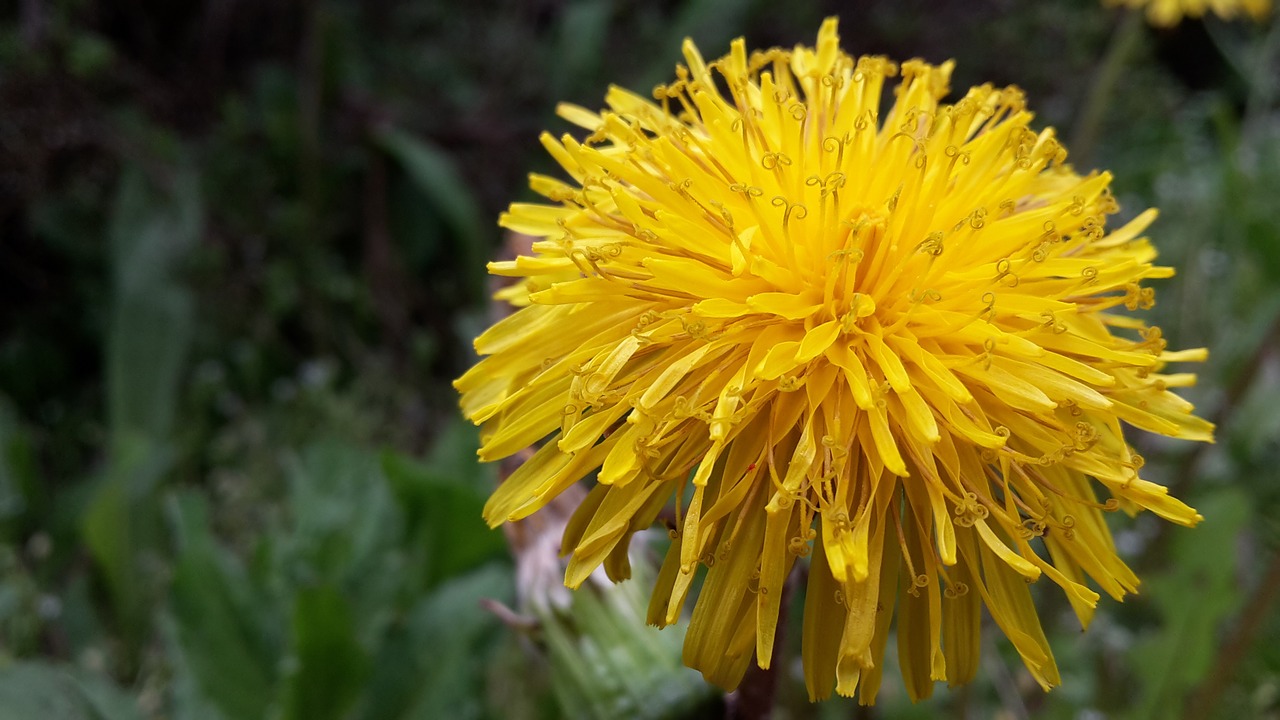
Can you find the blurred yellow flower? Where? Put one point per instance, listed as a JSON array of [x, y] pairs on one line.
[[882, 339], [1167, 13]]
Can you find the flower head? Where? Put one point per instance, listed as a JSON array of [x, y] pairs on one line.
[[885, 339], [1167, 13]]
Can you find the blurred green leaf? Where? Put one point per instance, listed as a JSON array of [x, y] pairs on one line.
[[43, 691], [433, 173], [187, 700], [328, 665], [147, 349], [152, 232], [222, 627], [443, 501], [436, 668], [344, 519], [395, 677], [583, 31], [1192, 597], [121, 529], [453, 457]]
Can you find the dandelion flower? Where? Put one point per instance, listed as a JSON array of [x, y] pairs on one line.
[[1167, 13], [887, 340]]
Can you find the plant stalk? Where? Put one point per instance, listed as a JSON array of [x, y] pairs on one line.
[[1256, 612], [754, 698], [1089, 122]]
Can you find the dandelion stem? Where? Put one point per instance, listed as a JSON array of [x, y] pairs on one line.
[[753, 700], [1002, 679]]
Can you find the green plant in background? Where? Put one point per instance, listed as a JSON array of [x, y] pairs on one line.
[[151, 234], [240, 260], [605, 662], [346, 608]]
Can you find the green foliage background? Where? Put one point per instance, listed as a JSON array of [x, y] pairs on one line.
[[242, 257]]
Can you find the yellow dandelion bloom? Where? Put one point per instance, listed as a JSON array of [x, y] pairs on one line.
[[1167, 13], [885, 340]]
